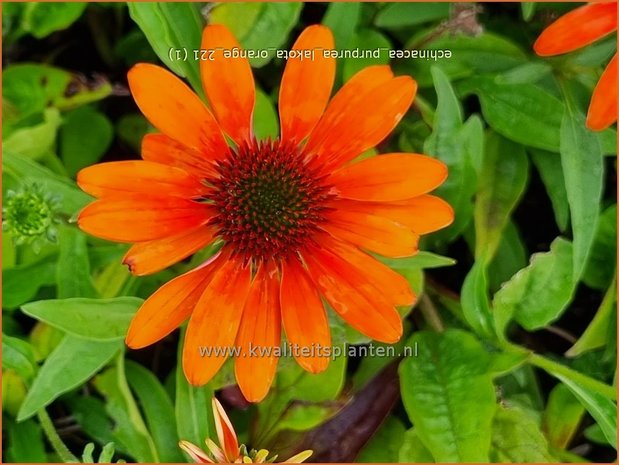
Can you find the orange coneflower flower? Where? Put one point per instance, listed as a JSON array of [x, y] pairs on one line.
[[574, 30], [295, 215], [229, 450]]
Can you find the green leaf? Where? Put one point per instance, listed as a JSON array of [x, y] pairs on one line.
[[562, 416], [421, 260], [272, 22], [550, 170], [496, 198], [172, 26], [85, 136], [30, 172], [90, 414], [18, 355], [524, 113], [129, 432], [21, 283], [60, 372], [598, 332], [475, 301], [158, 410], [448, 395], [516, 438], [42, 18], [366, 40], [266, 122], [192, 405], [73, 267], [471, 56], [413, 450], [602, 409], [583, 172], [25, 443], [539, 293], [400, 15], [384, 445], [35, 142], [528, 10], [601, 262], [527, 73], [448, 145], [131, 129], [342, 19], [95, 319]]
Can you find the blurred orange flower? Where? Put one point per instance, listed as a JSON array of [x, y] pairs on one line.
[[229, 450], [295, 215], [577, 29]]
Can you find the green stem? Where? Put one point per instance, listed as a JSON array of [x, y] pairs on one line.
[[61, 449], [558, 370]]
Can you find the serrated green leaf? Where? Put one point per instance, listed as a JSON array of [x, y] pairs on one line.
[[25, 443], [539, 293], [35, 142], [95, 319], [60, 372], [412, 449], [448, 395]]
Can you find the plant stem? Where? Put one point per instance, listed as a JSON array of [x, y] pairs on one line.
[[52, 436], [558, 370]]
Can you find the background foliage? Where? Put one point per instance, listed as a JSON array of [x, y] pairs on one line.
[[515, 328]]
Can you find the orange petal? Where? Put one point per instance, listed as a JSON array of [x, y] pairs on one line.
[[149, 257], [260, 329], [353, 296], [228, 83], [360, 116], [215, 321], [304, 318], [578, 28], [139, 177], [371, 232], [159, 148], [603, 107], [172, 107], [306, 84], [169, 306], [393, 285], [225, 432], [423, 214], [393, 176], [137, 219]]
